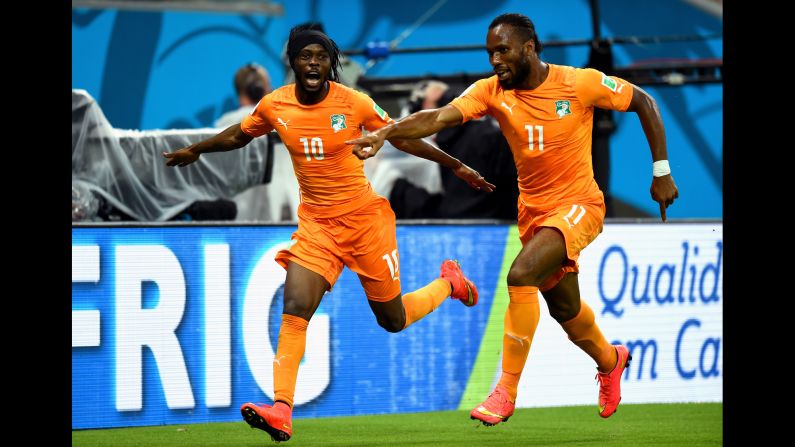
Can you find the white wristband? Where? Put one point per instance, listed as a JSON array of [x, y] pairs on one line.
[[660, 168]]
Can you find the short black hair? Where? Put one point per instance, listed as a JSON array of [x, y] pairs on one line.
[[522, 24]]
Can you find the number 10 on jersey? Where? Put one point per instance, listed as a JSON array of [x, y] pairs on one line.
[[317, 148]]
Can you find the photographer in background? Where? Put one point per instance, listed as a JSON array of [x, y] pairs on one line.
[[252, 82]]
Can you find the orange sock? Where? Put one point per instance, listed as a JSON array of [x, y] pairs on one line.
[[584, 332], [290, 350], [421, 302], [521, 321]]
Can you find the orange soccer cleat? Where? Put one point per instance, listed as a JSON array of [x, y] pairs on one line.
[[276, 420], [610, 383], [463, 289], [497, 408]]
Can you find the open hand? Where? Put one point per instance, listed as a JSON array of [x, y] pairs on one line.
[[181, 158], [473, 178]]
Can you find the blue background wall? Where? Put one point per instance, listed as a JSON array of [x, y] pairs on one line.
[[174, 69], [369, 371], [206, 301]]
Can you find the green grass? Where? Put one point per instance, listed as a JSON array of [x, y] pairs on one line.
[[648, 425]]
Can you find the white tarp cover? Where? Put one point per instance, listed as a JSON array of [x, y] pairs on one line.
[[127, 167]]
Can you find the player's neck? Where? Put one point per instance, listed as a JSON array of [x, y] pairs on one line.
[[538, 74], [307, 97]]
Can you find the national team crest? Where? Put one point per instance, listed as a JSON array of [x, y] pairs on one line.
[[338, 122], [562, 108]]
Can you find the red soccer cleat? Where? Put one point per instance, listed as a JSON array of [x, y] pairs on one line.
[[610, 383], [497, 408], [463, 289], [276, 420]]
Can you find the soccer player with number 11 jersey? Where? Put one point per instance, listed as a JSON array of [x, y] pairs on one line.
[[545, 112]]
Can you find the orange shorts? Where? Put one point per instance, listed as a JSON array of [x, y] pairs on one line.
[[579, 223], [363, 239]]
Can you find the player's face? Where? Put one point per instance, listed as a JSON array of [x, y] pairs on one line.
[[312, 66], [508, 55]]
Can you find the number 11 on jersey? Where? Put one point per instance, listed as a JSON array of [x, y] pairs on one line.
[[540, 139]]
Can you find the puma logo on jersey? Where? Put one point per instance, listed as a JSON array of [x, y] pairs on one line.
[[283, 123], [510, 109]]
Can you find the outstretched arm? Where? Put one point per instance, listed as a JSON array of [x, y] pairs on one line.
[[663, 189], [231, 138], [417, 125], [423, 149]]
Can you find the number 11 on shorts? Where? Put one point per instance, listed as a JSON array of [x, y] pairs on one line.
[[393, 263]]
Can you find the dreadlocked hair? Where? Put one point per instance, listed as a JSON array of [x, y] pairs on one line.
[[307, 34]]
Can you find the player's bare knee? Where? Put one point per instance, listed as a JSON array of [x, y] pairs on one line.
[[563, 311], [521, 275], [298, 308], [392, 324]]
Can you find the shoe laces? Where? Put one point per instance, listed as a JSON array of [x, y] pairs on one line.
[[450, 269], [604, 385], [498, 397]]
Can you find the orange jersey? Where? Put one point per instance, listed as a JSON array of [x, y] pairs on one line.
[[549, 129], [327, 171]]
